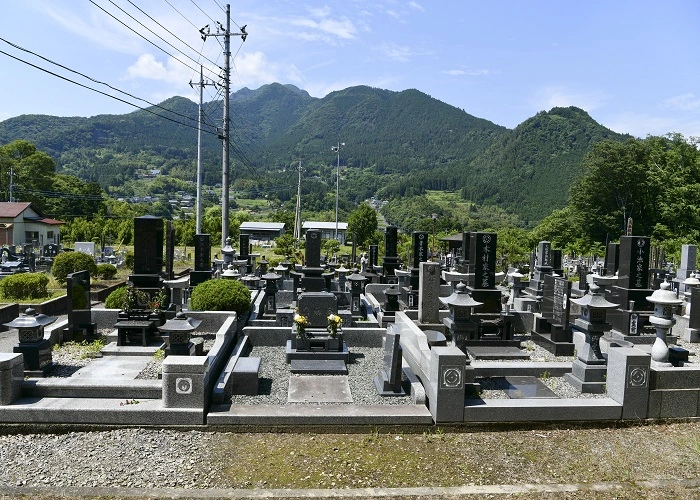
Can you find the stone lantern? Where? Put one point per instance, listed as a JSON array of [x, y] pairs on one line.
[[269, 305], [460, 322], [356, 289], [589, 370], [230, 273], [35, 349], [691, 286], [665, 301], [342, 272], [179, 330], [263, 265], [228, 252]]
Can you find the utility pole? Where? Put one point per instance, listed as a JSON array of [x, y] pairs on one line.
[[297, 218], [201, 86], [225, 135], [12, 185], [337, 185]]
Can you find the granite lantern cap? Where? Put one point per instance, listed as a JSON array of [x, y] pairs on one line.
[[271, 276], [30, 325], [691, 281], [391, 292], [280, 269], [604, 281], [180, 324], [594, 300], [664, 300], [230, 273], [356, 280], [228, 249], [30, 319], [460, 298], [342, 269]]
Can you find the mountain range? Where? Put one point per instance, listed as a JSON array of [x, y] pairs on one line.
[[395, 144]]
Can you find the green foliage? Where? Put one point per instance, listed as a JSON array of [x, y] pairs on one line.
[[656, 181], [220, 295], [284, 245], [66, 263], [24, 286], [129, 260], [330, 247], [362, 223], [115, 300], [106, 271], [78, 298]]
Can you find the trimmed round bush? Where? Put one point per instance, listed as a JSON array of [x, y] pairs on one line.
[[220, 295], [66, 263], [115, 300], [106, 271], [24, 286]]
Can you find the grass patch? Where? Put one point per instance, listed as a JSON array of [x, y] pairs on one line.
[[80, 350]]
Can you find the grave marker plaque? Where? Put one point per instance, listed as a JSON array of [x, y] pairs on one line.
[[148, 245], [420, 248], [202, 252], [560, 306], [390, 241], [483, 254], [244, 244], [313, 248], [634, 262], [544, 253]]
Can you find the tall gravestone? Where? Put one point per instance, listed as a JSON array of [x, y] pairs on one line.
[[80, 324], [543, 267], [429, 293], [202, 259], [551, 329], [483, 266], [313, 281], [688, 264], [244, 251], [169, 250], [612, 259], [631, 318], [148, 251], [391, 259], [373, 257], [420, 254]]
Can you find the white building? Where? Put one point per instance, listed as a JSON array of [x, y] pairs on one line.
[[327, 230], [22, 224]]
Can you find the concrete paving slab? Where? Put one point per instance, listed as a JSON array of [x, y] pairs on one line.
[[97, 411], [319, 389], [113, 367], [537, 410], [296, 414], [497, 352]]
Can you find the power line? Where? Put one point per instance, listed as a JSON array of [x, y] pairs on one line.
[[94, 80], [99, 91], [172, 34], [139, 34]]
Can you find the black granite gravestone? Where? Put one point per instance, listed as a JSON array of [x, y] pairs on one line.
[[148, 251], [202, 260]]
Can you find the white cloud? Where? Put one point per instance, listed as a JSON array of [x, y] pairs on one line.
[[416, 6], [254, 69], [683, 102], [468, 72], [401, 53], [642, 124], [563, 96], [149, 68]]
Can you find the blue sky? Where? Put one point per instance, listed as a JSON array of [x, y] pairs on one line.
[[631, 64]]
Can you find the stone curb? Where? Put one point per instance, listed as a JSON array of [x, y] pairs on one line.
[[430, 492]]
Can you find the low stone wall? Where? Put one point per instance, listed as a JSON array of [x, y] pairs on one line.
[[53, 307], [7, 314]]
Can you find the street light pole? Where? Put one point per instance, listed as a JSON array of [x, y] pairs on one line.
[[337, 185]]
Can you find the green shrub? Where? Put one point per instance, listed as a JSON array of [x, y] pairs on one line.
[[106, 271], [24, 286], [115, 300], [129, 260], [66, 263], [220, 295]]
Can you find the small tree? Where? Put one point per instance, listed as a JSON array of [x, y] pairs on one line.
[[362, 223], [71, 262]]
